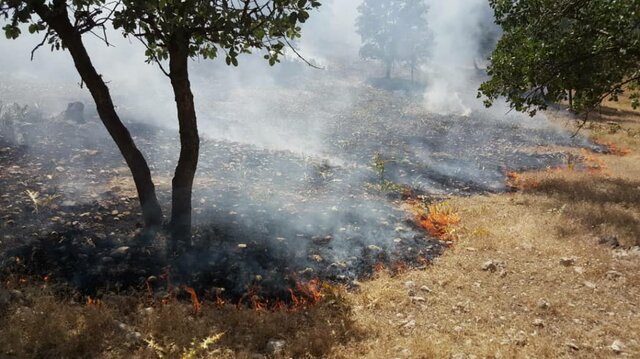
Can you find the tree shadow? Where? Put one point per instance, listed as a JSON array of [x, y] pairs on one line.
[[607, 114], [613, 203], [397, 84]]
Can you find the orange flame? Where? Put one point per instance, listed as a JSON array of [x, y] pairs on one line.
[[219, 301], [197, 306], [399, 267], [279, 305], [436, 219], [256, 302], [309, 293], [516, 181], [94, 302], [613, 148], [423, 260]]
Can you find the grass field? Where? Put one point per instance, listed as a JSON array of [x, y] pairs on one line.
[[551, 270]]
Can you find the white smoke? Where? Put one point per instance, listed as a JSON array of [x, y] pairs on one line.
[[452, 73]]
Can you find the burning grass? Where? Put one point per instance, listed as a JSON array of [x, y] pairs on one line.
[[613, 148], [533, 305], [124, 326], [440, 220]]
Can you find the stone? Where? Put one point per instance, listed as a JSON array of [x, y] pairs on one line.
[[617, 346], [611, 241], [405, 353], [572, 345], [538, 322], [275, 346], [613, 275], [520, 338], [147, 311], [426, 289], [409, 325], [589, 285], [410, 284], [568, 261], [543, 304], [417, 299], [120, 251], [489, 266], [74, 112], [68, 203]]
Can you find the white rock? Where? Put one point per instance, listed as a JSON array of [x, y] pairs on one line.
[[120, 251], [410, 284], [520, 338], [572, 345], [538, 323], [275, 346], [568, 261], [418, 299], [405, 353], [409, 325], [543, 304], [617, 346]]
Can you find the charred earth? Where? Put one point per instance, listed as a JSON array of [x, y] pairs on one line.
[[297, 193]]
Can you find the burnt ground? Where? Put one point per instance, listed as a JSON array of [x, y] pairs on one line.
[[266, 216]]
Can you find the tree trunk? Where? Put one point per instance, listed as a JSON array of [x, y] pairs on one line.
[[570, 99], [189, 140], [58, 20], [389, 65], [413, 68]]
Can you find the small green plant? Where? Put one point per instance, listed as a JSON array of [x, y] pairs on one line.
[[379, 165]]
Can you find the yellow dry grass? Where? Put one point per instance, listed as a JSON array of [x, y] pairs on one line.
[[551, 289]]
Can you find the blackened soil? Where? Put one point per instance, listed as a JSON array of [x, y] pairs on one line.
[[265, 219]]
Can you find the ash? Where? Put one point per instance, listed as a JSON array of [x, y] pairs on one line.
[[293, 189]]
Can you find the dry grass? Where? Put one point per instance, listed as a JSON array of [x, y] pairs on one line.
[[124, 326], [524, 303], [501, 312]]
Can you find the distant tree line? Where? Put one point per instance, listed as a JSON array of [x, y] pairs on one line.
[[394, 32]]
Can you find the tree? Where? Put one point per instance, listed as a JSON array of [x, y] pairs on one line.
[[393, 31], [180, 29], [555, 50], [54, 19], [173, 30]]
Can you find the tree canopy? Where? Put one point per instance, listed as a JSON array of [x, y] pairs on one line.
[[207, 27], [393, 31], [554, 50]]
